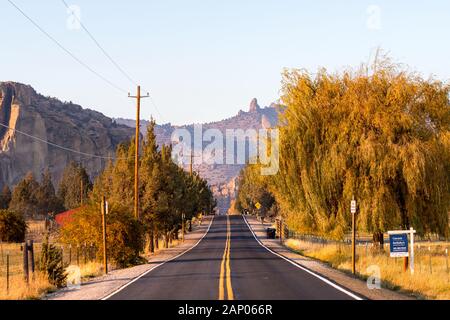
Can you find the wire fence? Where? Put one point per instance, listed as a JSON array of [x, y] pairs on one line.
[[12, 260], [430, 256]]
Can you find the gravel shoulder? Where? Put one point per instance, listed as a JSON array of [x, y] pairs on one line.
[[100, 287], [348, 281]]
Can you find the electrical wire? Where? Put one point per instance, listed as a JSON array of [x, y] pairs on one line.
[[59, 146], [66, 50], [121, 70]]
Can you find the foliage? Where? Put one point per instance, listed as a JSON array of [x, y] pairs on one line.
[[383, 137], [51, 263], [5, 198], [23, 199], [12, 227], [69, 191], [124, 233], [46, 199], [33, 199], [253, 189]]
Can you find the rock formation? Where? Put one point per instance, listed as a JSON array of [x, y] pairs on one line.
[[27, 113]]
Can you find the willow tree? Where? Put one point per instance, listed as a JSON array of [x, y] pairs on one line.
[[381, 137]]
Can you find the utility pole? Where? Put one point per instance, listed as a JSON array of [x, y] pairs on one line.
[[81, 191], [191, 168], [353, 211], [136, 159], [105, 257]]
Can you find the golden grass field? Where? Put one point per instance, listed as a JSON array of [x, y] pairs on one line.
[[38, 284], [431, 279]]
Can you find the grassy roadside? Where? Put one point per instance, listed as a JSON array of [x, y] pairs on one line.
[[431, 279], [38, 285]]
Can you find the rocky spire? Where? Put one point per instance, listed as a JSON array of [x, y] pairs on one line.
[[254, 105]]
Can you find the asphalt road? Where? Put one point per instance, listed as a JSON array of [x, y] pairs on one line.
[[230, 264]]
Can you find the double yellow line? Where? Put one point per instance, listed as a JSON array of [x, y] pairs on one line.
[[225, 270]]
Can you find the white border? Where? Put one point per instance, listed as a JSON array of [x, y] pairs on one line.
[[303, 268], [158, 265]]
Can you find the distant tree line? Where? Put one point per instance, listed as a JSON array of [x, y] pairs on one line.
[[166, 191], [382, 136]]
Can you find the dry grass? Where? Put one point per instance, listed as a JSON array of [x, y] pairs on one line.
[[20, 290], [431, 279]]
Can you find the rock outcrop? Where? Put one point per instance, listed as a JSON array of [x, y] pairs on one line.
[[222, 177], [28, 119], [24, 113]]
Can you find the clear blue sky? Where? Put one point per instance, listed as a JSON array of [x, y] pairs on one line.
[[205, 60]]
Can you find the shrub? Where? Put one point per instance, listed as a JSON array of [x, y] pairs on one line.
[[51, 263], [125, 235], [12, 227]]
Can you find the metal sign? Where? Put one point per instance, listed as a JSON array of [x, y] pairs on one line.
[[399, 245], [353, 206], [258, 205]]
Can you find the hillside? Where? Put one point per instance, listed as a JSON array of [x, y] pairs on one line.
[[62, 123], [222, 177], [89, 132]]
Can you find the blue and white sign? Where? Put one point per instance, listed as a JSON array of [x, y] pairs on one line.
[[399, 245]]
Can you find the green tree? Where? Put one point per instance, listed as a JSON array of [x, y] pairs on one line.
[[12, 227], [23, 199], [47, 201], [51, 262], [69, 191], [252, 189], [5, 197]]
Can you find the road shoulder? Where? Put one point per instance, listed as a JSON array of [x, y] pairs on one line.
[[356, 285], [103, 286]]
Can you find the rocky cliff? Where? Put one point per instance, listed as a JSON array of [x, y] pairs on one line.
[[222, 177], [26, 113], [27, 119]]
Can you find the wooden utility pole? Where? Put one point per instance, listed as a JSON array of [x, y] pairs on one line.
[[136, 159], [105, 256], [191, 169]]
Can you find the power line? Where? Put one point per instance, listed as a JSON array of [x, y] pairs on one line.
[[100, 47], [59, 146], [66, 50], [121, 70]]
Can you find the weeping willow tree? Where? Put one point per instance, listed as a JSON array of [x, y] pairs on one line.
[[383, 137]]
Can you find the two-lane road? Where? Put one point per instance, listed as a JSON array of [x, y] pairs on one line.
[[229, 263]]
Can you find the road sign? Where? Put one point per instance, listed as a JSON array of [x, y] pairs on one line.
[[258, 205], [404, 234], [399, 245], [353, 206]]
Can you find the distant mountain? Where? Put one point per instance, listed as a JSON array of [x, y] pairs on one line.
[[62, 123], [222, 177], [26, 113]]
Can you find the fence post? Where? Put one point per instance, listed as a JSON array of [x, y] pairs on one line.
[[7, 273], [25, 262], [30, 247]]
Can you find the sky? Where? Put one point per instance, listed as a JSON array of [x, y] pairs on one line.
[[203, 61]]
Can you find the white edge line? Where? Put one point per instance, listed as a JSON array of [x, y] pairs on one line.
[[301, 267], [158, 265]]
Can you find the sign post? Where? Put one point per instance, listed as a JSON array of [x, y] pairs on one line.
[[353, 211], [398, 240]]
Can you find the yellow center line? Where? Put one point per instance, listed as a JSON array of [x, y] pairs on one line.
[[225, 269]]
